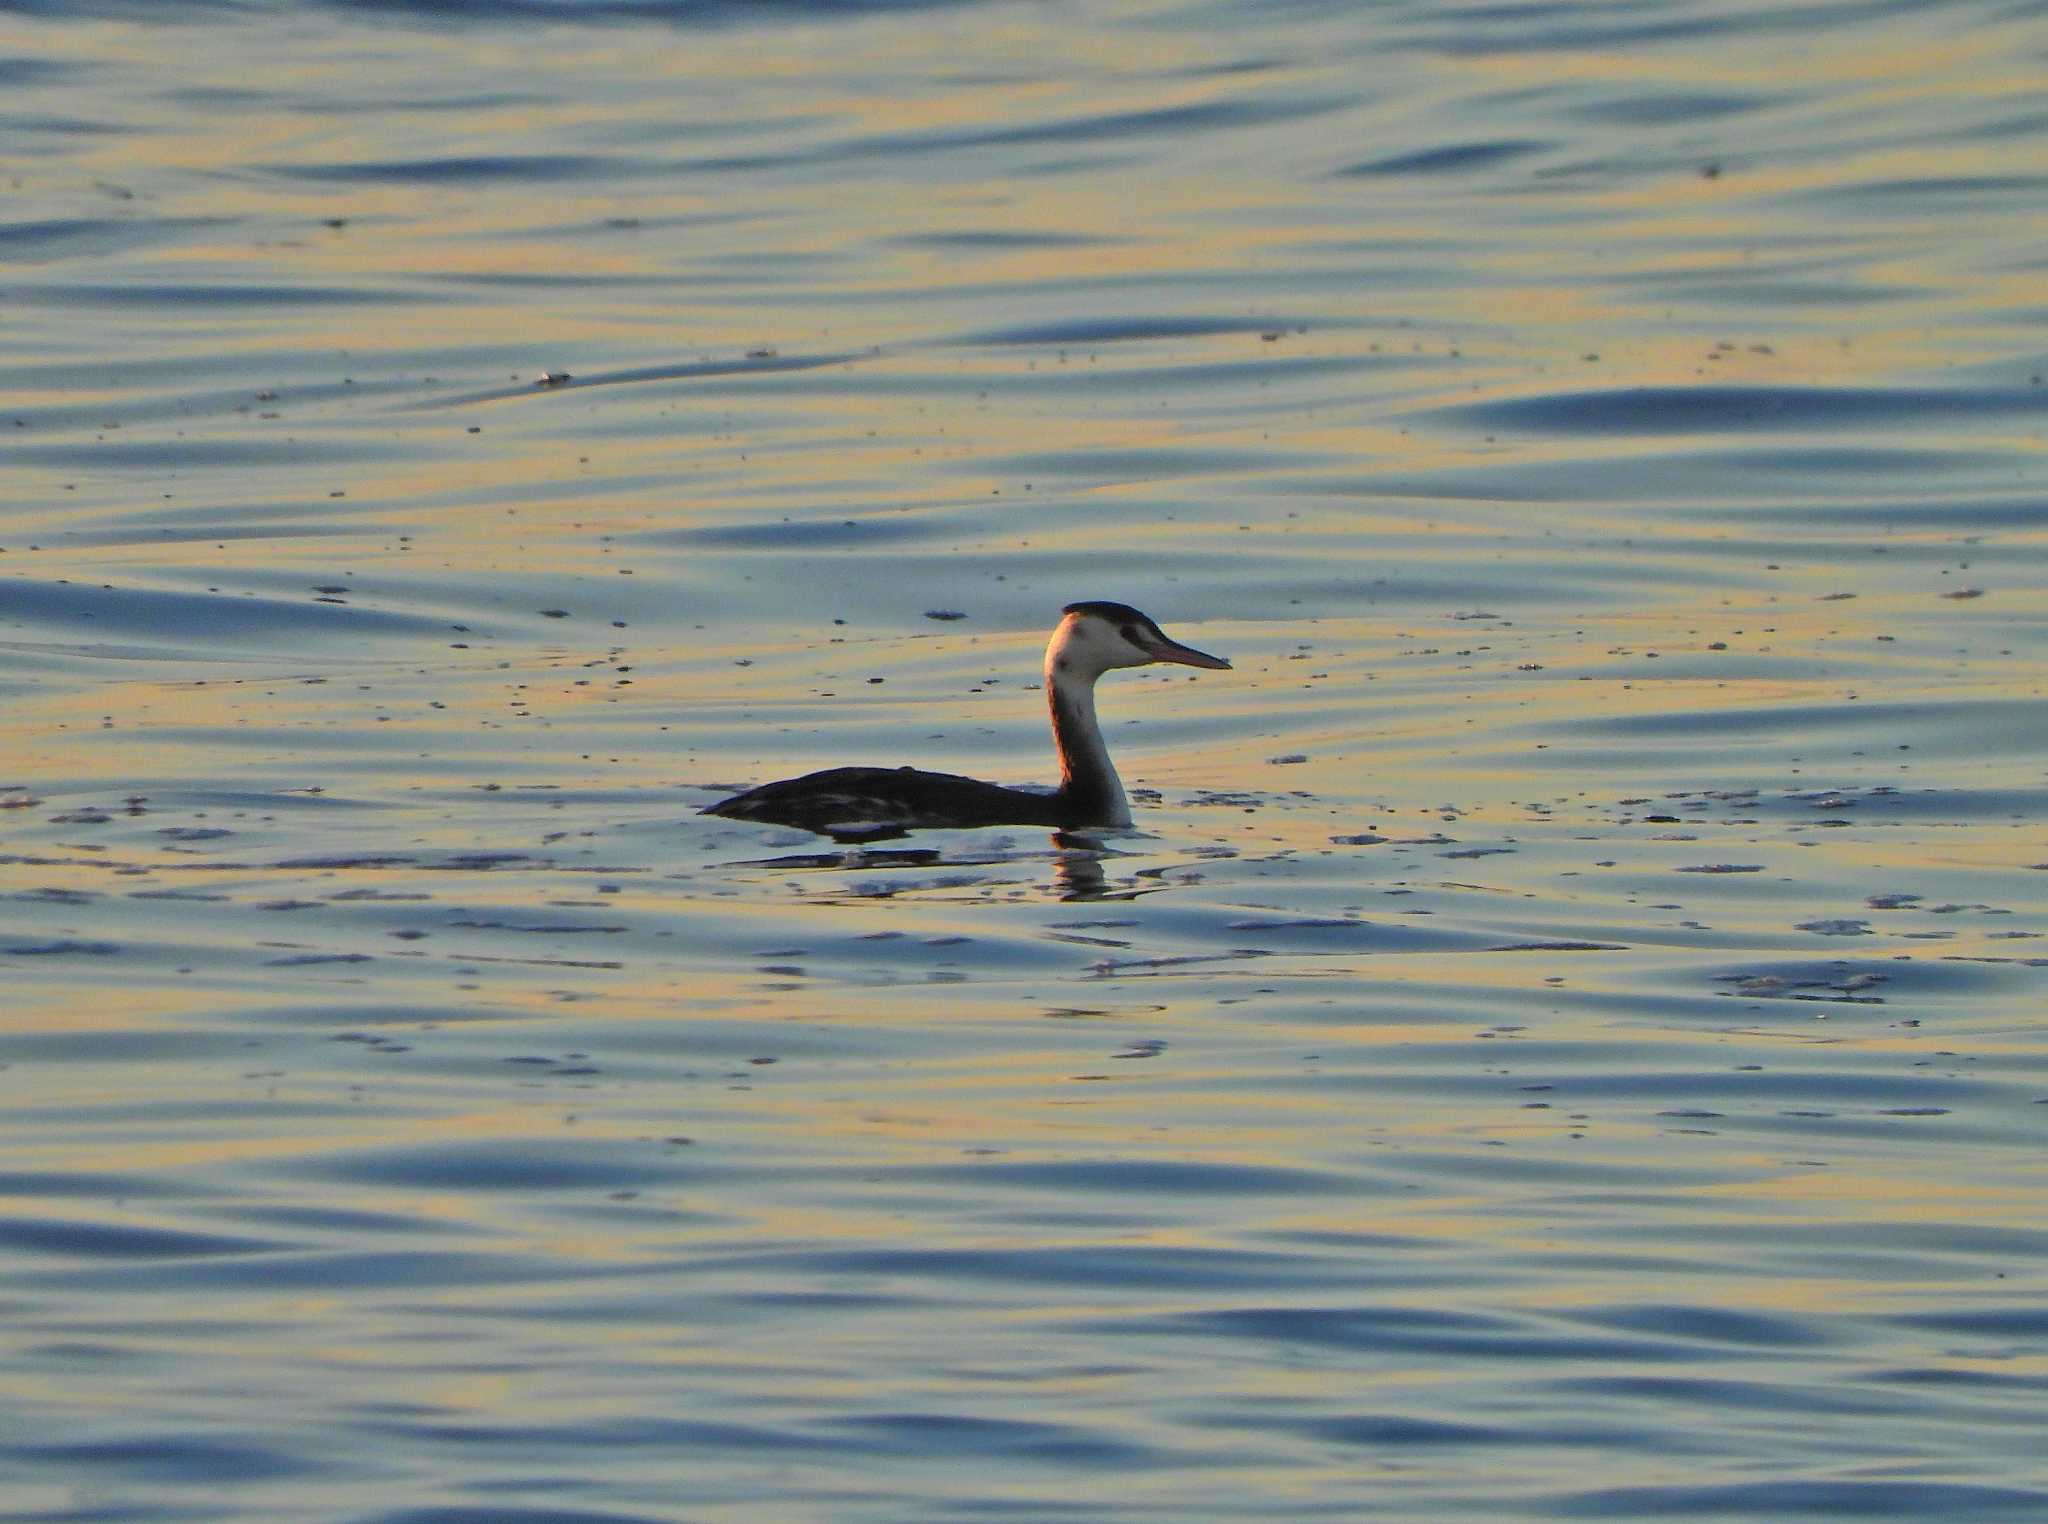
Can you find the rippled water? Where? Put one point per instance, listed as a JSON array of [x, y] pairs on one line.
[[1565, 1037]]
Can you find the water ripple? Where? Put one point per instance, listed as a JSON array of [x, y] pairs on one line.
[[1740, 409], [1455, 158], [1805, 1499]]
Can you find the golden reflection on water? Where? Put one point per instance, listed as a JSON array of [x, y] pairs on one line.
[[1621, 1012]]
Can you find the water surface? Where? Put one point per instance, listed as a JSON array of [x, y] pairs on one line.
[[1564, 1038]]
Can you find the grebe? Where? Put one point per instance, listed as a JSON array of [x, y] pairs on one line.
[[1092, 638]]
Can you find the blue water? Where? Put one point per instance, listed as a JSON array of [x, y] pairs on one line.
[[1564, 1037]]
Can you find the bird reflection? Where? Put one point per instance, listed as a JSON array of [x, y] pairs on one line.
[[1078, 859], [1077, 872], [853, 859]]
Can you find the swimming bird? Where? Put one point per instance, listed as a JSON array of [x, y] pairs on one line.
[[865, 802]]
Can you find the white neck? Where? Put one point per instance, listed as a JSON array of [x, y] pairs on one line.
[[1086, 773]]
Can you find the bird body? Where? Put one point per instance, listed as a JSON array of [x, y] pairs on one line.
[[1092, 638]]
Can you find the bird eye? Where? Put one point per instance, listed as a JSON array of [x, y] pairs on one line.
[[1130, 633]]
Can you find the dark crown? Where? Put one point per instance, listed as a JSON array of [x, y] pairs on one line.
[[1115, 613]]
